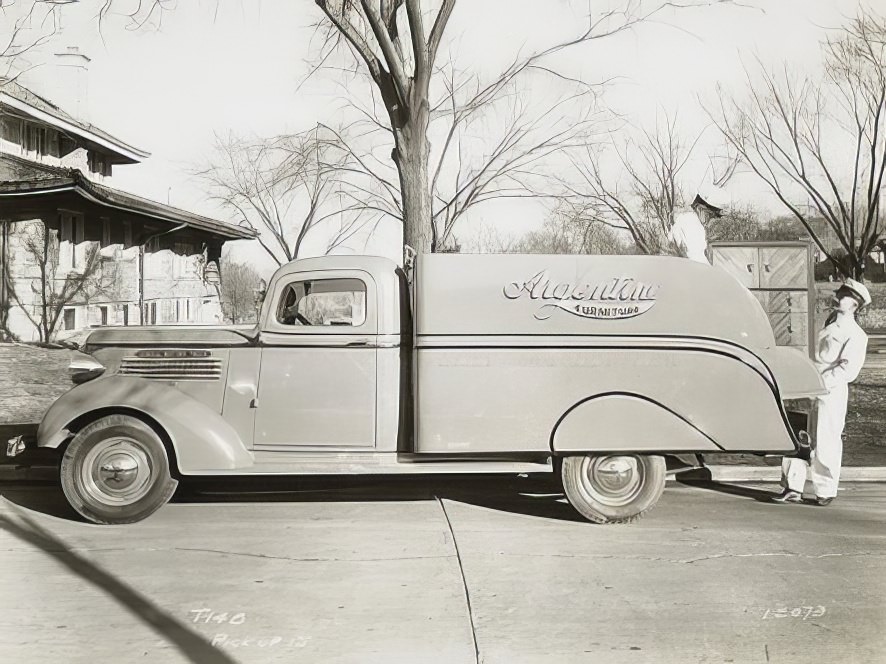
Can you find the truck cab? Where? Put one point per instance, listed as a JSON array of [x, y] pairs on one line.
[[599, 368]]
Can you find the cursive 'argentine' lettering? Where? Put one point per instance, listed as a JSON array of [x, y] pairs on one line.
[[615, 298]]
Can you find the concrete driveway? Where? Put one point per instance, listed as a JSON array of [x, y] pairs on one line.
[[491, 570]]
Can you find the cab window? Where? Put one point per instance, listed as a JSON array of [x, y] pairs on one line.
[[323, 302]]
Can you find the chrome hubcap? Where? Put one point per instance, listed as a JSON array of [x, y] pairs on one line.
[[116, 471], [119, 470], [612, 480]]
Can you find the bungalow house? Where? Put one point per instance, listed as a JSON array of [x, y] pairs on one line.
[[75, 252]]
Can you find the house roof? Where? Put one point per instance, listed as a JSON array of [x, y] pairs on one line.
[[22, 101], [61, 180]]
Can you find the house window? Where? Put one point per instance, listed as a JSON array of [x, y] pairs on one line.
[[151, 313], [106, 232], [125, 314], [99, 163], [12, 130], [177, 310], [70, 318], [182, 252], [104, 315], [33, 138], [71, 232], [188, 309], [51, 142]]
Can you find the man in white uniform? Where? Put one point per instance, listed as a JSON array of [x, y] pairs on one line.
[[839, 356]]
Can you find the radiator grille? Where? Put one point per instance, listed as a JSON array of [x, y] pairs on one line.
[[164, 368]]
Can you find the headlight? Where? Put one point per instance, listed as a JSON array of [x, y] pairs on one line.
[[84, 368]]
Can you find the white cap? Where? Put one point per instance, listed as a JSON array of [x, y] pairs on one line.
[[859, 289], [714, 197]]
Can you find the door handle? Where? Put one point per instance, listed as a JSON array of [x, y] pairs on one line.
[[362, 342], [750, 267], [766, 266]]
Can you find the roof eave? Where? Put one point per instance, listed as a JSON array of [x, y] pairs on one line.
[[131, 154], [94, 194]]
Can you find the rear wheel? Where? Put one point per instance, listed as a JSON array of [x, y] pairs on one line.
[[116, 470], [613, 488]]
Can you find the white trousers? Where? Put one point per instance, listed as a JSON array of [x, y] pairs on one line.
[[827, 455]]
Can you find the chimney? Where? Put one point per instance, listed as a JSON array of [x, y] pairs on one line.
[[57, 74], [69, 88]]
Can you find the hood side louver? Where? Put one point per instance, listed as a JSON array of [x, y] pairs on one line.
[[175, 365]]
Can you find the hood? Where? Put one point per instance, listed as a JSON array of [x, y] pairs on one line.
[[169, 335]]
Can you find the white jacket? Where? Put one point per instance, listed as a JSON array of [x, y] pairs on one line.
[[840, 351], [689, 236]]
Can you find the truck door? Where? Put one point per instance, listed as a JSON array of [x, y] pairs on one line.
[[318, 363]]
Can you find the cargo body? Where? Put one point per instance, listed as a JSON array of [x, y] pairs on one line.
[[486, 363]]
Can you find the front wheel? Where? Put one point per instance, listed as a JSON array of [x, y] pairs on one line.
[[614, 488], [116, 470]]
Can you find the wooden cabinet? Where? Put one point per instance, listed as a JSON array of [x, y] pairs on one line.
[[780, 276]]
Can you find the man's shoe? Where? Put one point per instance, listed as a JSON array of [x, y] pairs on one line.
[[823, 502], [788, 496]]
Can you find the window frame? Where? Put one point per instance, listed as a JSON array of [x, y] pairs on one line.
[[370, 319], [73, 312]]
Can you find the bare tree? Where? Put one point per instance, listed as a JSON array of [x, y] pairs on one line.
[[573, 229], [283, 187], [53, 287], [822, 141], [737, 223], [25, 25], [635, 184], [487, 145], [569, 229], [238, 290], [397, 44]]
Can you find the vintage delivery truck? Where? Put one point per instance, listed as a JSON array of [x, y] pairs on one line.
[[600, 368]]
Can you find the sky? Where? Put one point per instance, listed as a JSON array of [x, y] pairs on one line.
[[215, 67]]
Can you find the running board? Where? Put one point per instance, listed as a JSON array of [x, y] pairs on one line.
[[378, 463]]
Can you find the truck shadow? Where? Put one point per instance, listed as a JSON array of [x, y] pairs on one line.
[[530, 496], [700, 482]]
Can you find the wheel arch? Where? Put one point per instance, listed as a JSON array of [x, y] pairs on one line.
[[84, 420], [199, 438], [622, 421]]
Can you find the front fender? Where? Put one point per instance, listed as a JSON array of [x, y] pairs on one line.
[[202, 439]]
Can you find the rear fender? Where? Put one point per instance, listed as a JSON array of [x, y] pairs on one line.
[[201, 438], [708, 399], [622, 421]]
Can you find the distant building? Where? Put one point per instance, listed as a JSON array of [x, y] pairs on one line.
[[54, 170]]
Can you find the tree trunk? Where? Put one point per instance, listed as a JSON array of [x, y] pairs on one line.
[[411, 155], [858, 269]]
